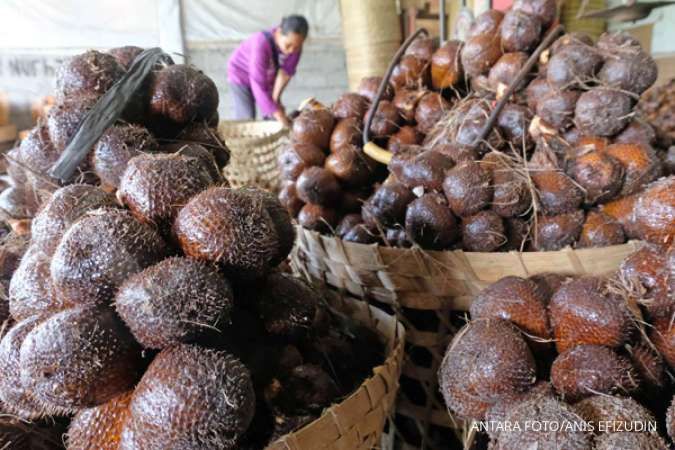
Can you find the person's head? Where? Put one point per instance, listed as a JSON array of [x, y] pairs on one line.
[[292, 33]]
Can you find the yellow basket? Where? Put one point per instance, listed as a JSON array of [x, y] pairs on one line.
[[254, 146]]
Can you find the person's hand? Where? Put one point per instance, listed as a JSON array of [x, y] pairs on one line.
[[282, 118]]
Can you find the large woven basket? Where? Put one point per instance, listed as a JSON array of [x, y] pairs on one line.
[[425, 289], [254, 146], [357, 423]]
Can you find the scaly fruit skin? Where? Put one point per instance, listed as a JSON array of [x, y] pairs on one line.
[[670, 420], [654, 213], [663, 337], [587, 369], [57, 358], [65, 207], [546, 409], [99, 428], [487, 362], [190, 398], [517, 300], [91, 72], [583, 312], [612, 409], [625, 439], [600, 230], [14, 397], [31, 290], [232, 227], [99, 252], [155, 187], [174, 301]]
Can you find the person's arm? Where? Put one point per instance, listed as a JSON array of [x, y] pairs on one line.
[[260, 86], [280, 83]]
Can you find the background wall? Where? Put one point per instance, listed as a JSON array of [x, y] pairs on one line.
[[37, 35]]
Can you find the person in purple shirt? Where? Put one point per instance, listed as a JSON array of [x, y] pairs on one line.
[[261, 67]]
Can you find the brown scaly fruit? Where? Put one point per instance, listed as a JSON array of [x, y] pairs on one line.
[[91, 72], [319, 186], [296, 157], [556, 108], [654, 212], [430, 223], [307, 388], [486, 23], [602, 112], [514, 121], [648, 364], [99, 427], [662, 336], [204, 135], [411, 72], [585, 370], [31, 290], [537, 89], [347, 131], [504, 72], [479, 53], [548, 283], [350, 105], [557, 193], [430, 110], [192, 397], [105, 246], [406, 101], [368, 87], [65, 206], [116, 147], [621, 210], [63, 120], [557, 232], [511, 194], [314, 126], [125, 55], [15, 398], [583, 312], [351, 166], [289, 308], [628, 440], [288, 197], [498, 412], [629, 69], [177, 300], [387, 206], [426, 168], [546, 409], [406, 136], [612, 409], [519, 31], [180, 94], [544, 10], [645, 274], [641, 165], [517, 300], [446, 67], [156, 187], [12, 249], [572, 64], [318, 218], [483, 232], [637, 132], [240, 229], [467, 187], [600, 230], [487, 361], [598, 173], [56, 359]]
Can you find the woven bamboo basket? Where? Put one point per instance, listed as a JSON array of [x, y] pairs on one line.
[[254, 146], [357, 423], [430, 291]]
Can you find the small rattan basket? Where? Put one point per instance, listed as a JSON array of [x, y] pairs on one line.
[[357, 422], [254, 146]]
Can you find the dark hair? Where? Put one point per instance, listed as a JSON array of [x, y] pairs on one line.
[[295, 24]]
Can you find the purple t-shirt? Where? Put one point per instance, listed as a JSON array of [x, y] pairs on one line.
[[252, 65]]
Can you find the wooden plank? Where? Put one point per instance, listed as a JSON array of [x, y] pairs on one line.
[[7, 133], [4, 109]]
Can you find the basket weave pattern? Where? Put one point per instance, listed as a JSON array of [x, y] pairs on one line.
[[254, 146], [424, 287], [357, 422]]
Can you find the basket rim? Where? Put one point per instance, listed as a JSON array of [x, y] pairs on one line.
[[266, 128], [393, 364], [632, 244]]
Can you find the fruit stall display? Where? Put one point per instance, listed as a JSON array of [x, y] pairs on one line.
[[144, 305], [596, 353], [517, 152]]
